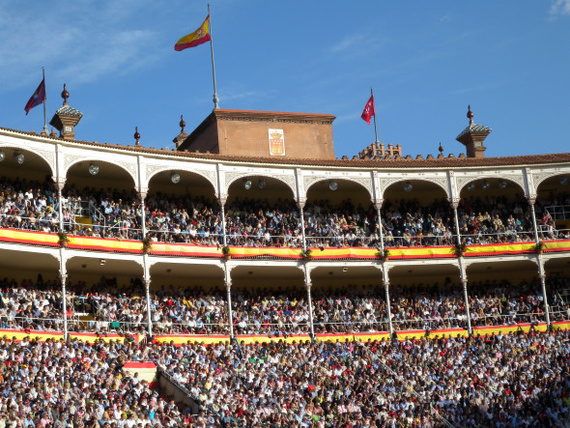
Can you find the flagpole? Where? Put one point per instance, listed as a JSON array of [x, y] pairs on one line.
[[215, 99], [375, 128], [45, 102]]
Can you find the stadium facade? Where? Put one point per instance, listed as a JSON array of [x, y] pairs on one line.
[[283, 164]]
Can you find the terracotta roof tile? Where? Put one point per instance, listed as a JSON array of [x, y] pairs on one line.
[[436, 163]]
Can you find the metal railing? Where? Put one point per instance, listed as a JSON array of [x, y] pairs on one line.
[[558, 212], [184, 236], [87, 324], [431, 323], [506, 319], [507, 236]]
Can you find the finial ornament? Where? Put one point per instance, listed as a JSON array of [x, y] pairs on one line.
[[440, 147], [182, 123], [470, 114], [64, 95], [137, 136]]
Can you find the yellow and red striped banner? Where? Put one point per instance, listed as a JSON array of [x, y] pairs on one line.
[[344, 337], [181, 339], [102, 244], [145, 371], [561, 325], [552, 246], [496, 249], [285, 252], [105, 337], [27, 237], [188, 250], [192, 250], [42, 336]]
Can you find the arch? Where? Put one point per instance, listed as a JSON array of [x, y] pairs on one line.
[[563, 180], [491, 179], [232, 178], [109, 166], [327, 180], [157, 171], [541, 178], [187, 179], [39, 156], [388, 183]]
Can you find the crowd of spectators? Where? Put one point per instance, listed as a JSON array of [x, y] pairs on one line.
[[514, 380], [504, 303], [495, 219], [258, 223], [406, 223], [57, 384], [270, 312], [28, 205], [30, 305], [110, 213], [502, 380], [108, 307], [353, 309]]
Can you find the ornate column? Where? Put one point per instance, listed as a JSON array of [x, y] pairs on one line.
[[301, 206], [222, 197], [222, 202], [228, 283], [531, 201], [378, 205], [142, 190], [301, 200], [63, 277], [142, 197], [308, 285], [378, 201], [454, 202], [146, 282], [60, 184], [542, 276], [386, 283], [463, 276]]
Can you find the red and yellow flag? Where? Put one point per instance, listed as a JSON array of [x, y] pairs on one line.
[[201, 35]]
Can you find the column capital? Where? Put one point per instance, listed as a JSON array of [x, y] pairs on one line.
[[378, 203], [59, 182], [222, 199], [301, 202], [142, 193], [454, 202], [531, 199]]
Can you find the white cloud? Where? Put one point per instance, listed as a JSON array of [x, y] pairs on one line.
[[348, 43], [559, 7], [85, 40]]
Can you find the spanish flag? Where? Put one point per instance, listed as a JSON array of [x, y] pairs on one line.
[[201, 35]]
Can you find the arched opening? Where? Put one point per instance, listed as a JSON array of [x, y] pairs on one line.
[[261, 212], [339, 213], [100, 200], [417, 213], [494, 210], [181, 207], [28, 196], [553, 208]]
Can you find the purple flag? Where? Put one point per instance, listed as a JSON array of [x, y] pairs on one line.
[[38, 97]]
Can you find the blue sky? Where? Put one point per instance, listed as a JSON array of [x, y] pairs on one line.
[[426, 61]]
